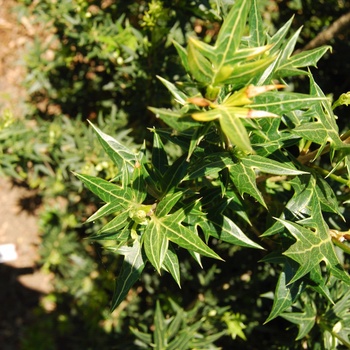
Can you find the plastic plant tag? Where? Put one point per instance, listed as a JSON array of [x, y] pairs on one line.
[[7, 252]]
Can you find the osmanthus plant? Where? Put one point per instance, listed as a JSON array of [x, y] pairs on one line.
[[249, 174]]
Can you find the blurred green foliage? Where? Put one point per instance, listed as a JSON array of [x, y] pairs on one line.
[[99, 60]]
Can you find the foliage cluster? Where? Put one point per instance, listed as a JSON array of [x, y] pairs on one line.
[[239, 164]]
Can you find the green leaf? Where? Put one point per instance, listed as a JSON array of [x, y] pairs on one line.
[[159, 156], [174, 119], [107, 191], [175, 174], [231, 33], [115, 150], [144, 337], [302, 59], [305, 320], [313, 131], [241, 73], [244, 179], [160, 341], [182, 52], [171, 264], [107, 209], [234, 129], [200, 67], [325, 115], [209, 165], [155, 244], [178, 95], [286, 292], [284, 102], [167, 203], [225, 229], [139, 192], [313, 246], [132, 268], [270, 166], [256, 28], [183, 236], [117, 223]]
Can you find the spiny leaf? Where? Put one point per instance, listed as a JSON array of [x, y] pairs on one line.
[[178, 95], [184, 237], [304, 320], [200, 67], [225, 229], [107, 191], [167, 203], [132, 268], [244, 179], [182, 52], [313, 246], [270, 166], [234, 129], [159, 156], [209, 165], [117, 223], [155, 244], [171, 264], [115, 150], [174, 119], [231, 33], [108, 208], [284, 102], [256, 28], [286, 292], [160, 341], [302, 59]]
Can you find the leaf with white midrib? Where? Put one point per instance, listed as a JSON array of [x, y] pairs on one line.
[[117, 152], [132, 267], [171, 263], [184, 237], [106, 190], [155, 244]]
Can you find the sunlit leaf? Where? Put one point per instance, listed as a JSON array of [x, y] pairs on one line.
[[155, 244], [132, 268], [117, 152]]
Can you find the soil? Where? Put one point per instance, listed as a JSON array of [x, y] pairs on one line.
[[22, 284]]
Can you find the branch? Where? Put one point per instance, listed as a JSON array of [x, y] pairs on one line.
[[341, 24]]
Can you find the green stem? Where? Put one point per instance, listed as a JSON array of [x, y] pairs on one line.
[[334, 177], [341, 339], [345, 248]]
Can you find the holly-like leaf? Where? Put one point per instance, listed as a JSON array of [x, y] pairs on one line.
[[183, 236], [284, 102], [171, 264], [313, 245], [256, 28], [290, 67], [107, 191], [167, 203], [133, 265], [244, 179], [225, 229], [286, 291], [155, 244], [304, 320], [117, 152], [209, 165], [270, 166], [159, 156], [178, 95]]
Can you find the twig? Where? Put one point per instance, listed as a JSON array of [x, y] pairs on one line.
[[340, 25]]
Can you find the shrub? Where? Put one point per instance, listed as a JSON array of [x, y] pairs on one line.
[[261, 167]]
